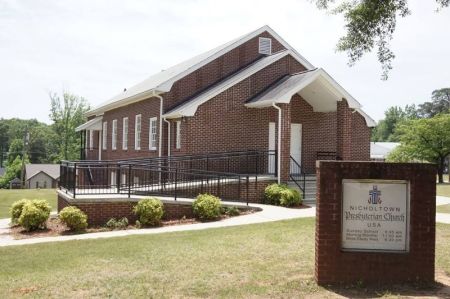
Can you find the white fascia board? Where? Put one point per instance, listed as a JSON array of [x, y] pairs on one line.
[[93, 124], [123, 102], [190, 108], [369, 121]]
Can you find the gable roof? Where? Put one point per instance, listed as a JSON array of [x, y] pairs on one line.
[[52, 170], [380, 150], [163, 81], [189, 107]]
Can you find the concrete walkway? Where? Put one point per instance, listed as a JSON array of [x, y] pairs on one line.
[[442, 217], [267, 214]]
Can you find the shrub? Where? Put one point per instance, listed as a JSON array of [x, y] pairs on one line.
[[16, 210], [272, 193], [290, 197], [281, 194], [74, 218], [149, 211], [121, 223], [207, 207], [34, 214], [230, 211]]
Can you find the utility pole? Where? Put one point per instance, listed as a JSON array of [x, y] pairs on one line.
[[26, 138]]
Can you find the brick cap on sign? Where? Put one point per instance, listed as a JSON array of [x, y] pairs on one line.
[[320, 162]]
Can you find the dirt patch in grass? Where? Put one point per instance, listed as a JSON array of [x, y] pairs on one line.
[[55, 227]]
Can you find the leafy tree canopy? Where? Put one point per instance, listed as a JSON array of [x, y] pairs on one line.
[[425, 139], [370, 24]]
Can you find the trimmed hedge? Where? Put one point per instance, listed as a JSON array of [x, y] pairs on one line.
[[149, 211], [34, 214], [16, 210], [207, 207], [281, 194], [74, 218]]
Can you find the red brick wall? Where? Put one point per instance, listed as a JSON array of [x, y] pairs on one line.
[[332, 265], [100, 212]]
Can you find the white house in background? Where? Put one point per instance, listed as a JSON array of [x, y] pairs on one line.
[[380, 150], [41, 176]]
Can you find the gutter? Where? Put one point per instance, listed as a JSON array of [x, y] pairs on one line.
[[279, 143]]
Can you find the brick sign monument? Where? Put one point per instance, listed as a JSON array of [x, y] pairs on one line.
[[375, 222]]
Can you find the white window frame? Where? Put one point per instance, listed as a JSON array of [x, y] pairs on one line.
[[105, 135], [91, 139], [152, 133], [125, 133], [114, 135], [178, 134], [137, 132]]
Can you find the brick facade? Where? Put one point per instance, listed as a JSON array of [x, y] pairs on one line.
[[332, 265], [224, 124], [99, 212]]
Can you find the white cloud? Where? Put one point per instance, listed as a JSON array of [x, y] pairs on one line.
[[96, 48]]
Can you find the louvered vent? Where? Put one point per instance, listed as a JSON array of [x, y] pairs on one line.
[[265, 46]]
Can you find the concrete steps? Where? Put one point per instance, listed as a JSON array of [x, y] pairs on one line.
[[310, 188]]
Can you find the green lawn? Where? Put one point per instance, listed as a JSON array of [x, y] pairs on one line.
[[7, 197], [443, 209], [443, 189], [265, 260]]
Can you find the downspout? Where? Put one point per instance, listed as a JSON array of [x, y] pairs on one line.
[[161, 100], [279, 143], [168, 136]]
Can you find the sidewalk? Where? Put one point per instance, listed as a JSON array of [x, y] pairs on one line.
[[268, 214]]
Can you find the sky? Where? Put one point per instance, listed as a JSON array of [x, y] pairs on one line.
[[96, 48]]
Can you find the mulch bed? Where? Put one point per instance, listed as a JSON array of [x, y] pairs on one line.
[[56, 228]]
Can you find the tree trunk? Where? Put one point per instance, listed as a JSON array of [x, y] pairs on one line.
[[441, 166]]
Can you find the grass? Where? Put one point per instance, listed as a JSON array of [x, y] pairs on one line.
[[265, 260], [7, 197], [443, 189], [443, 209]]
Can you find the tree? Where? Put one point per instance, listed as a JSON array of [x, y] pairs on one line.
[[385, 130], [12, 171], [370, 24], [67, 114], [440, 103], [425, 139]]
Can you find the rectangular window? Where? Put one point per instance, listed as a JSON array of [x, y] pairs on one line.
[[152, 133], [114, 135], [178, 135], [91, 139], [137, 132], [125, 133], [113, 178], [104, 135], [124, 179]]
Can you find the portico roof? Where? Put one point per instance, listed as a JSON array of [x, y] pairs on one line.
[[93, 124], [316, 87]]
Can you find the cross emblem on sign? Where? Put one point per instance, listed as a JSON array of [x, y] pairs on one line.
[[374, 195]]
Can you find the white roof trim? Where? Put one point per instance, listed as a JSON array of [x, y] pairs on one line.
[[283, 93], [190, 107], [93, 124], [369, 121], [163, 81]]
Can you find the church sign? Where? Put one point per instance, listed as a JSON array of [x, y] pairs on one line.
[[375, 215]]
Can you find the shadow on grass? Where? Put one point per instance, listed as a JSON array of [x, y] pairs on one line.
[[436, 289]]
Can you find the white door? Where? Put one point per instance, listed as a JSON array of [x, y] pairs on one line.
[[296, 145], [272, 157]]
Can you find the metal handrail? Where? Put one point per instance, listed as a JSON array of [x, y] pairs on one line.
[[301, 183]]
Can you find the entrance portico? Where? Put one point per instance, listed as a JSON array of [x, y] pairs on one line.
[[316, 119]]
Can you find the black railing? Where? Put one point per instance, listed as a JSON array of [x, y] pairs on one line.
[[224, 175], [327, 156], [297, 175]]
